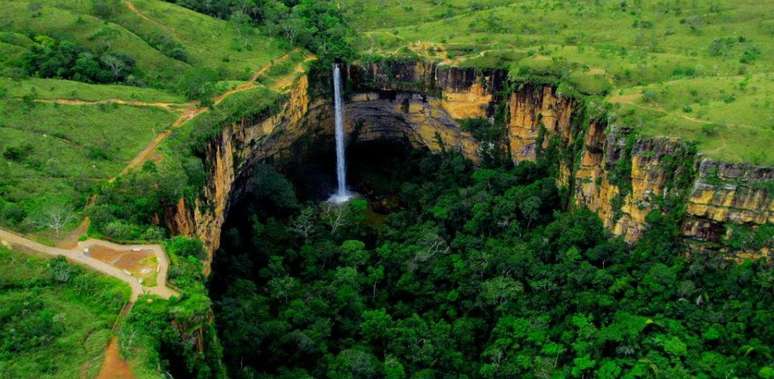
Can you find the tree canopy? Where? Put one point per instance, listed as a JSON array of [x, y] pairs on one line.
[[480, 273]]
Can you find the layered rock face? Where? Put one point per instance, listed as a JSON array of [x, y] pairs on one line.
[[720, 193], [229, 158], [620, 178], [654, 166], [374, 113], [728, 193], [532, 108], [623, 203], [460, 92], [413, 118]]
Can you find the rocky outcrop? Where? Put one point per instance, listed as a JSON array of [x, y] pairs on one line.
[[426, 101], [414, 118], [728, 193], [532, 108], [720, 194], [460, 92], [622, 186], [593, 188]]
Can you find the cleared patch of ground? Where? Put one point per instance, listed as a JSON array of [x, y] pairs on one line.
[[140, 263]]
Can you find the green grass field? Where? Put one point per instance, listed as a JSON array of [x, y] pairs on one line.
[[56, 318], [209, 42], [726, 116], [54, 156], [392, 13], [39, 88], [611, 49]]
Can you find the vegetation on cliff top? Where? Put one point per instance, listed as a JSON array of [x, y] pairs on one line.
[[643, 56]]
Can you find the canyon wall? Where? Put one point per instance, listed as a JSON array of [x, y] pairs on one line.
[[419, 119], [619, 176], [228, 159], [614, 173], [414, 118], [653, 168], [623, 177], [728, 193]]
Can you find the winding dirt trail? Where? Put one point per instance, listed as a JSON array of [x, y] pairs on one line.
[[114, 367], [252, 82], [133, 9], [172, 107], [195, 110]]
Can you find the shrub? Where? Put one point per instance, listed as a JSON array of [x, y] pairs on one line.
[[710, 130], [649, 96], [121, 231], [750, 55], [96, 153], [720, 46], [17, 153], [106, 8], [60, 270], [153, 233], [199, 84], [186, 247], [684, 72], [27, 324], [169, 47], [12, 213], [52, 58]]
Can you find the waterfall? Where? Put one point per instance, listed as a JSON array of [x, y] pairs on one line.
[[342, 194]]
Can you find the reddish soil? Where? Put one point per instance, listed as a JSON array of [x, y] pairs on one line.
[[71, 240], [114, 366], [131, 261]]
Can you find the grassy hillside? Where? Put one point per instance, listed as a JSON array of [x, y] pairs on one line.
[[164, 39], [60, 140], [730, 117], [37, 19], [56, 317], [207, 41], [51, 89], [615, 49], [55, 156]]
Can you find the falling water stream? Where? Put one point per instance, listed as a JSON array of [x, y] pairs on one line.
[[342, 193]]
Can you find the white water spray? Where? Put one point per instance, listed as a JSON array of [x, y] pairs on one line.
[[342, 194]]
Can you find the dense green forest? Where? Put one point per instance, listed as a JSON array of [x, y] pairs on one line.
[[447, 270]]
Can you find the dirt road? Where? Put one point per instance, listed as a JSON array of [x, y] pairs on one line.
[[77, 255]]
